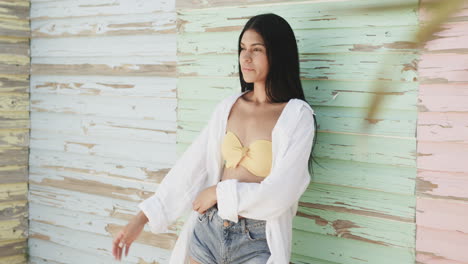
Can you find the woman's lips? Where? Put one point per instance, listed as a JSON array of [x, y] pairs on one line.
[[246, 69]]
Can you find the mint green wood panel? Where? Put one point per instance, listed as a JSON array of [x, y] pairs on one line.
[[310, 15], [348, 251], [360, 206], [355, 226]]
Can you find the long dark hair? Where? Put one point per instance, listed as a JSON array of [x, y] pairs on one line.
[[282, 81]]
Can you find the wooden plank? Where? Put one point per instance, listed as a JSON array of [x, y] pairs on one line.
[[442, 184], [125, 24], [105, 226], [12, 251], [443, 126], [14, 173], [14, 137], [443, 98], [349, 68], [14, 84], [359, 201], [442, 156], [98, 46], [14, 102], [17, 49], [375, 230], [13, 156], [157, 109], [222, 15], [150, 70], [443, 68], [13, 210], [101, 127], [14, 119], [343, 250], [75, 85], [442, 214], [162, 153], [18, 259], [79, 181], [91, 8], [442, 244], [394, 40], [13, 191], [63, 250], [148, 172]]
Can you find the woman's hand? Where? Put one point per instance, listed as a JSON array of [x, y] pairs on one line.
[[205, 199], [127, 235]]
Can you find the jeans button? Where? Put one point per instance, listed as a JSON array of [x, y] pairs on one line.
[[226, 223]]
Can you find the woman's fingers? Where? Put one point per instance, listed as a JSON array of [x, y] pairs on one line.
[[127, 249], [115, 245]]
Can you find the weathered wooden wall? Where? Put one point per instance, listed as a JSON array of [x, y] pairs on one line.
[[14, 130], [103, 125], [442, 180], [360, 208]]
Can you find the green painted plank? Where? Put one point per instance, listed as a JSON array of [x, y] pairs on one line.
[[359, 201], [378, 177], [345, 67], [376, 230], [343, 250], [390, 39], [300, 15]]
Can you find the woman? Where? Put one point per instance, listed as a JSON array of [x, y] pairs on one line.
[[242, 177]]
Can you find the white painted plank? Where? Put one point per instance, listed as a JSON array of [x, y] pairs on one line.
[[131, 86], [160, 109], [81, 8], [112, 127], [125, 24], [149, 172], [104, 147], [138, 46]]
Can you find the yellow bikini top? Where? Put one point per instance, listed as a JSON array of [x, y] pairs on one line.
[[256, 158]]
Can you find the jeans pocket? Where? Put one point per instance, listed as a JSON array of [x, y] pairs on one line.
[[201, 217], [255, 233]]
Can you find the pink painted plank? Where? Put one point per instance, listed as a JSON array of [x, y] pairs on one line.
[[442, 183], [454, 36], [451, 245], [429, 258], [446, 67], [442, 156], [446, 126], [442, 214], [424, 15]]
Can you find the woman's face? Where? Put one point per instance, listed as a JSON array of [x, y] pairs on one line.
[[253, 58]]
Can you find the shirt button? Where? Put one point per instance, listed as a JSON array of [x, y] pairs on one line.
[[226, 223]]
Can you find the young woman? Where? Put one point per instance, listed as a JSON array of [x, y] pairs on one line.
[[242, 177]]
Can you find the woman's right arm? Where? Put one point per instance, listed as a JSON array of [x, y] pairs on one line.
[[174, 194]]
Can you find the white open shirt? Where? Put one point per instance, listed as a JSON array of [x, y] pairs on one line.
[[275, 199]]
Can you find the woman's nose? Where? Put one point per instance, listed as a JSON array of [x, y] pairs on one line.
[[246, 56]]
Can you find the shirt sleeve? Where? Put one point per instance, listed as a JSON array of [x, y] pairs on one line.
[[283, 187], [173, 195]]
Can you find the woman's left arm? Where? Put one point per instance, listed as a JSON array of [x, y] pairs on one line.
[[285, 184]]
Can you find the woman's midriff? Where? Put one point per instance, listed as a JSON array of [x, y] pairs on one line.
[[241, 174]]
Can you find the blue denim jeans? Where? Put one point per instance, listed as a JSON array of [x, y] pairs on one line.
[[218, 241]]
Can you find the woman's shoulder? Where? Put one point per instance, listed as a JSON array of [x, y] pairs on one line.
[[303, 106]]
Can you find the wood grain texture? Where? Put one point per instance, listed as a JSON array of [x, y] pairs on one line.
[[442, 178], [103, 125], [14, 130]]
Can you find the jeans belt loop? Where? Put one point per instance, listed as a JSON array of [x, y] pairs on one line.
[[211, 215], [243, 225]]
